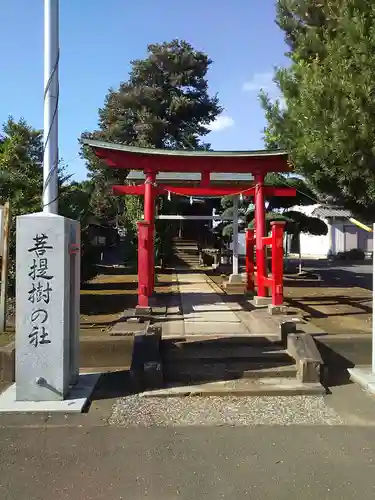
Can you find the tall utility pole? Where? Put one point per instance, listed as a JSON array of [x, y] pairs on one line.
[[51, 102]]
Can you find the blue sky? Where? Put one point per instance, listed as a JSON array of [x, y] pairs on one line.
[[98, 38]]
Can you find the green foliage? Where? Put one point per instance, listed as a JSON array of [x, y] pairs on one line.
[[306, 224], [304, 194], [133, 212], [271, 217], [353, 254], [294, 220], [21, 180], [164, 104], [226, 202], [21, 171], [328, 123]]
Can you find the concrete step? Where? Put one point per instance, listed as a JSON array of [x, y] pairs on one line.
[[182, 243], [191, 258], [213, 350], [261, 387], [186, 249], [194, 372], [191, 253], [186, 255]]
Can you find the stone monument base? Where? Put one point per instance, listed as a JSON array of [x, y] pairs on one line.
[[75, 401]]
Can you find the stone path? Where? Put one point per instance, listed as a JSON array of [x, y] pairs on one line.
[[202, 310]]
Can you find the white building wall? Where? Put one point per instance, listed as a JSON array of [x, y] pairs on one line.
[[317, 246], [339, 237]]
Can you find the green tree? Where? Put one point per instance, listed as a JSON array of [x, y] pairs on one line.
[[164, 104], [304, 196], [328, 123], [21, 179]]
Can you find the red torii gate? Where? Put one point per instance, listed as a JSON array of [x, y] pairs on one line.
[[152, 161]]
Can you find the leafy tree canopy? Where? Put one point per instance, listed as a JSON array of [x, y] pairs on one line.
[[328, 122], [21, 179]]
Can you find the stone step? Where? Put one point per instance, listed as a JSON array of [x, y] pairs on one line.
[[188, 251], [194, 372], [186, 255], [180, 351], [261, 387], [192, 258]]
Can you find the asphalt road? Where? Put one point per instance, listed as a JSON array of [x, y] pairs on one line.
[[189, 463], [343, 275]]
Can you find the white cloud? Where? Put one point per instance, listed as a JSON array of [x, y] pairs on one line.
[[222, 122], [258, 82]]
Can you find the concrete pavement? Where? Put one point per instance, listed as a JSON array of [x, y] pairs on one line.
[[357, 274], [82, 457], [283, 463]]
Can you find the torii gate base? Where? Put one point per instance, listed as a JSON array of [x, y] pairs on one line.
[[274, 282]]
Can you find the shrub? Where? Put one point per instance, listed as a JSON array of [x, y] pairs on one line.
[[353, 254]]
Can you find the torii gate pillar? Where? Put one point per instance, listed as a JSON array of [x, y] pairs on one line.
[[149, 217], [260, 230]]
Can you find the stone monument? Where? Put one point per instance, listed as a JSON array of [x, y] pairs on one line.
[[47, 317]]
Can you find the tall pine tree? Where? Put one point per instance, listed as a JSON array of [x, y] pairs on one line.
[[165, 103]]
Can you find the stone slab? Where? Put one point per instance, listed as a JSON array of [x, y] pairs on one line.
[[75, 401], [276, 310], [235, 288], [212, 317], [143, 312], [202, 327], [261, 301], [146, 367], [126, 328], [303, 349], [363, 376], [236, 279]]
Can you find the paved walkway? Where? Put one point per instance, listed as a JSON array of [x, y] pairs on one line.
[[204, 309], [201, 308]]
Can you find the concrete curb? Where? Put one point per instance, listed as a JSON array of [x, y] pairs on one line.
[[309, 362], [7, 362], [146, 368], [95, 352]]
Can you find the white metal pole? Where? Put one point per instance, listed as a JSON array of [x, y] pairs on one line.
[[51, 97], [235, 234], [373, 305]]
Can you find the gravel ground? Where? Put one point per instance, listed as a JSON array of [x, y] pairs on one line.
[[235, 411]]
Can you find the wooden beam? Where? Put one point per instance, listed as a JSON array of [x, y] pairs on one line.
[[277, 191], [135, 190]]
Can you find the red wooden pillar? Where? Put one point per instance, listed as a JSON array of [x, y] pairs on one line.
[[277, 262], [143, 269], [260, 229], [149, 216], [250, 260]]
